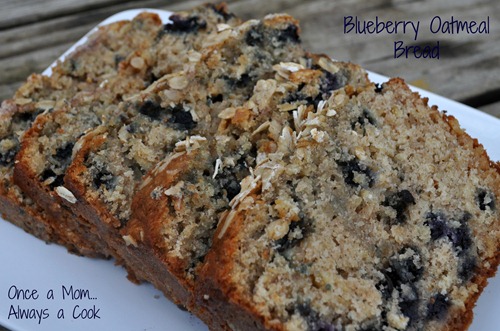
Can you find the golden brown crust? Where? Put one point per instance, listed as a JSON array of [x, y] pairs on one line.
[[30, 221], [143, 236], [218, 292]]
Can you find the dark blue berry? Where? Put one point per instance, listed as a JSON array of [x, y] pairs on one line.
[[105, 178], [437, 223], [312, 318], [215, 98], [181, 24], [378, 88], [405, 270], [365, 118], [290, 34], [409, 303], [353, 166], [49, 173], [401, 276], [482, 194], [466, 268], [400, 201], [437, 307], [7, 158], [151, 109], [331, 82], [299, 96], [254, 37], [289, 241], [409, 308], [182, 118], [64, 152], [386, 285], [460, 236]]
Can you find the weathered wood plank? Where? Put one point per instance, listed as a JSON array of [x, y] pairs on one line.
[[25, 64], [468, 71], [8, 90], [15, 13]]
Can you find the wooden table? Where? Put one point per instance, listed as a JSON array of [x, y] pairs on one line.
[[34, 33]]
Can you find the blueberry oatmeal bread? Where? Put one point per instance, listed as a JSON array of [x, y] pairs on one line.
[[176, 209], [112, 160], [47, 147], [77, 75], [377, 212], [255, 184]]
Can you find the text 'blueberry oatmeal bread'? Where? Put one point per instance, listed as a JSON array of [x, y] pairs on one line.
[[47, 147], [176, 209], [382, 215], [112, 160], [78, 75]]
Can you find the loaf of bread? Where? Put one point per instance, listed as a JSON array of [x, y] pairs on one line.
[[257, 185]]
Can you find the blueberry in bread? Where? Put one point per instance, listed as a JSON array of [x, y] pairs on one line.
[[184, 38], [176, 209], [380, 214]]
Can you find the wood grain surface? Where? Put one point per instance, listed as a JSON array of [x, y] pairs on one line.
[[34, 33]]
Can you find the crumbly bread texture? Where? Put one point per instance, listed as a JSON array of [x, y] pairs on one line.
[[47, 147], [377, 212], [176, 209], [113, 159], [78, 74], [255, 184]]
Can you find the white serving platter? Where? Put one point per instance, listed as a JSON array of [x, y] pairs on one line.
[[100, 288]]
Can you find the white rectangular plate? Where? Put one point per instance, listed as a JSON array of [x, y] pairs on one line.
[[28, 263]]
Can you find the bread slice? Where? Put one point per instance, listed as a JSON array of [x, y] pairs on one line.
[[176, 210], [80, 73], [47, 147], [378, 213], [177, 107]]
